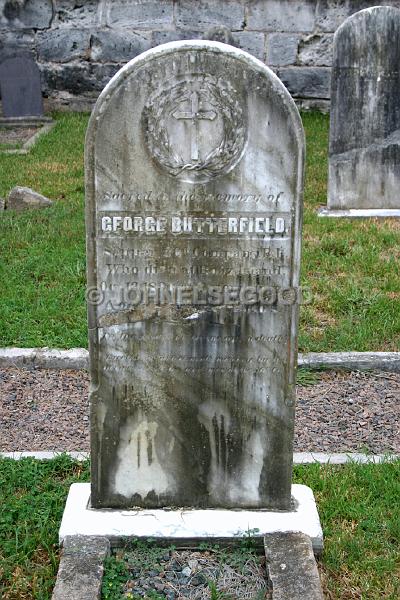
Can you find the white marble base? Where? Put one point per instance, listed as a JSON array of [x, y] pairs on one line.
[[383, 213], [180, 526]]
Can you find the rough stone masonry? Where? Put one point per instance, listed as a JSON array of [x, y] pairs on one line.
[[194, 175], [80, 45]]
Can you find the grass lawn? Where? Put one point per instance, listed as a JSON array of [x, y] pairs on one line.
[[358, 506], [351, 266]]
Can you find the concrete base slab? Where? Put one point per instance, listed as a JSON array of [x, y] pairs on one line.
[[383, 213], [188, 526]]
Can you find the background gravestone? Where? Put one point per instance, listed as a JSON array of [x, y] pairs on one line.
[[20, 86], [364, 145], [194, 167]]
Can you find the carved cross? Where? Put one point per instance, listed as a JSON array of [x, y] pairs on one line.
[[195, 115]]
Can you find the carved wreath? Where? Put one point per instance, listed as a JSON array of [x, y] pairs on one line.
[[160, 107]]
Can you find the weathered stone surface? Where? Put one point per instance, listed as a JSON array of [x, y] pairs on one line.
[[306, 82], [77, 13], [316, 50], [250, 41], [248, 20], [21, 40], [26, 14], [63, 45], [330, 14], [81, 568], [140, 14], [219, 33], [164, 37], [364, 144], [194, 162], [118, 46], [20, 84], [2, 204], [281, 48], [77, 78], [280, 15], [23, 198], [209, 13], [291, 567]]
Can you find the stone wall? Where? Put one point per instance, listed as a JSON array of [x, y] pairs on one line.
[[80, 44]]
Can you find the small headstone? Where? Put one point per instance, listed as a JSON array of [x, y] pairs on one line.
[[20, 86], [219, 33], [194, 165], [23, 198], [364, 146]]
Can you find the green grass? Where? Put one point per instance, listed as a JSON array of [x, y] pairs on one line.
[[358, 506], [351, 266], [32, 498]]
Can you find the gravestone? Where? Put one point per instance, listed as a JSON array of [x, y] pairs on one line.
[[194, 175], [364, 144], [20, 86]]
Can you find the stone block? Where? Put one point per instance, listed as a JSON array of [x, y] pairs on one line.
[[2, 204], [77, 78], [163, 37], [316, 50], [23, 198], [76, 13], [63, 45], [291, 567], [208, 13], [110, 45], [250, 41], [306, 82], [81, 568], [29, 14], [281, 49], [280, 15], [140, 14]]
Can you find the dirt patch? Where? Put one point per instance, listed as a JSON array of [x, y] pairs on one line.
[[15, 138]]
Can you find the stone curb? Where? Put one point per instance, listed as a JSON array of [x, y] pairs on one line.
[[78, 358], [81, 568], [299, 458], [292, 567], [28, 145]]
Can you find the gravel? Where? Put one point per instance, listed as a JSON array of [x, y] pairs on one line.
[[44, 409], [191, 574]]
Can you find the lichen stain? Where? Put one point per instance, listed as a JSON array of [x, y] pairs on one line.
[[139, 469], [239, 485]]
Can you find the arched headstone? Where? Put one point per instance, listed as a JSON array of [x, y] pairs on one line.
[[194, 175], [364, 144], [20, 86]]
